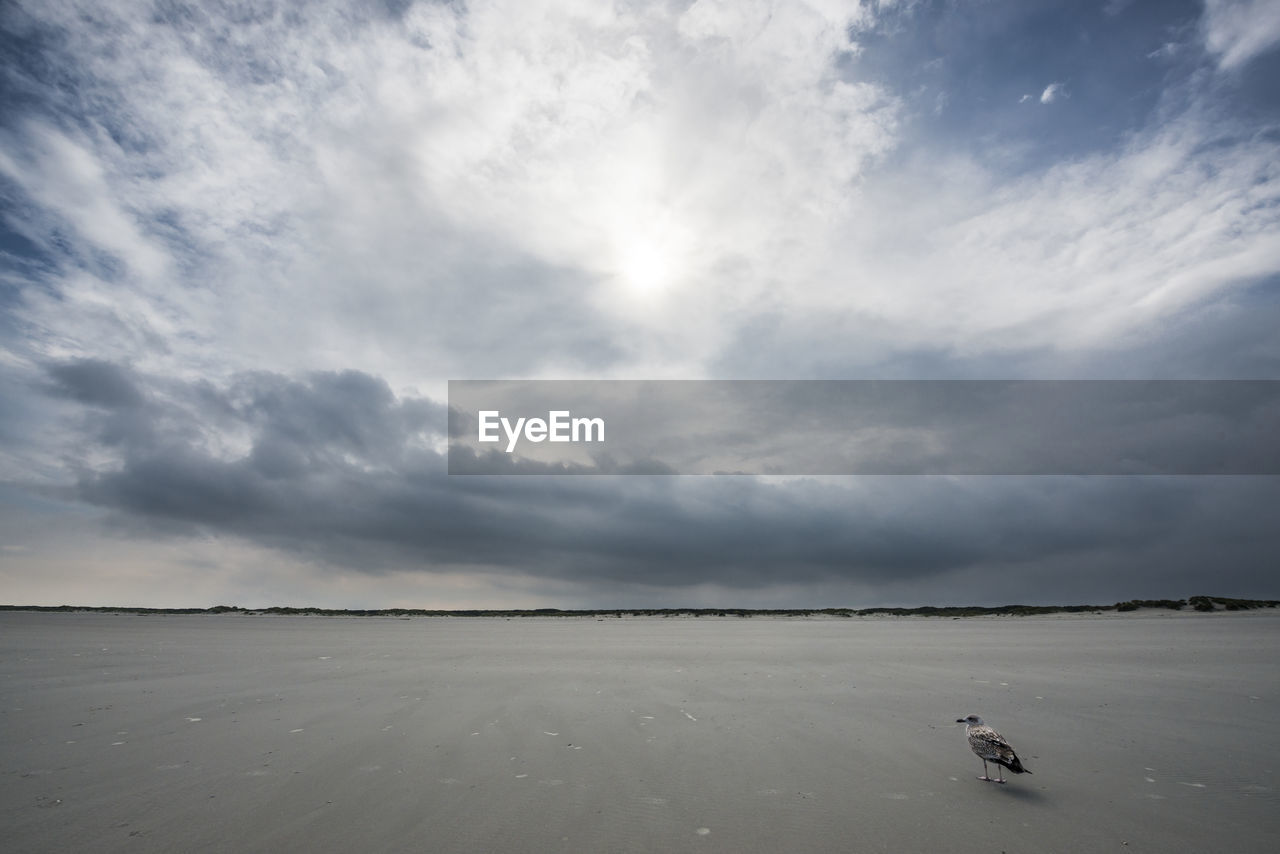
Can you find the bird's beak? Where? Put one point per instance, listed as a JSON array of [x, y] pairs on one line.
[[959, 720]]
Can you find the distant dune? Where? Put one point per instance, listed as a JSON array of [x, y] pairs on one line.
[[1198, 603]]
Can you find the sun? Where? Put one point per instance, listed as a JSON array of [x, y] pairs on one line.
[[645, 267], [652, 254]]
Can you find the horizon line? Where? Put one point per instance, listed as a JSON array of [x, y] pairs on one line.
[[1197, 603]]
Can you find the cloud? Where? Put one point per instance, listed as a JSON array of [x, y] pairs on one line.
[[61, 173], [1051, 93], [383, 179], [96, 382], [1089, 254], [564, 190], [335, 470], [1237, 31]]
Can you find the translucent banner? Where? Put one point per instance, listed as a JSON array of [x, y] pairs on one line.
[[902, 427]]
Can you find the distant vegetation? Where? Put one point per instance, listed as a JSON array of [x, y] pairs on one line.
[[1199, 603]]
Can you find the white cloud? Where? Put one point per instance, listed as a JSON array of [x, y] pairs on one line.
[[62, 174], [661, 157], [1236, 31], [566, 189], [1085, 254]]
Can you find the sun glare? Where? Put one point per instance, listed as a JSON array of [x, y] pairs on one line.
[[645, 268], [651, 259]]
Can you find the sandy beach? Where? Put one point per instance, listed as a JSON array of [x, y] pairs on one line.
[[1149, 732]]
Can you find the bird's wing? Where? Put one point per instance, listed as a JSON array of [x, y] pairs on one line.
[[989, 744]]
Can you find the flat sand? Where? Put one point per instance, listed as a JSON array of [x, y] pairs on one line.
[[1150, 732]]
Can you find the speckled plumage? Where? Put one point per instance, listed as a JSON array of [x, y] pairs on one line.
[[990, 746]]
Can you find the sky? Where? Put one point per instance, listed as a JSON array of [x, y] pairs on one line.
[[244, 247]]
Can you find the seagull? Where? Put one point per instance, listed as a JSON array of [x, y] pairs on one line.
[[990, 747]]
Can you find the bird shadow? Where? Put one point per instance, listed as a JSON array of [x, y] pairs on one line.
[[1031, 796]]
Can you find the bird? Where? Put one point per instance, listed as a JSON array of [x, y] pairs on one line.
[[990, 747]]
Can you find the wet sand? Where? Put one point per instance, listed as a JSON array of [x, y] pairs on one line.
[[1153, 732]]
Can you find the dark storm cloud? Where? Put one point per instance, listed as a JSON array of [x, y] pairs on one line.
[[96, 382], [337, 469]]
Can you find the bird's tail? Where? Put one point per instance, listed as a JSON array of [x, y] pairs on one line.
[[1014, 765]]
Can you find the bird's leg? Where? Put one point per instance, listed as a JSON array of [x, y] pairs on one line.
[[984, 772], [1001, 772]]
